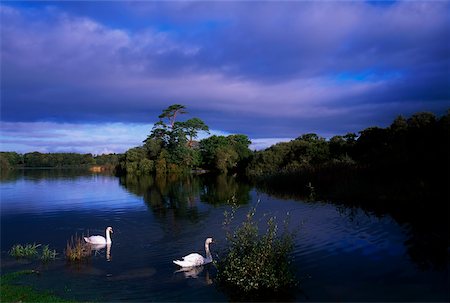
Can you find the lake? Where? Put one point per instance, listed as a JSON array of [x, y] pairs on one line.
[[340, 254]]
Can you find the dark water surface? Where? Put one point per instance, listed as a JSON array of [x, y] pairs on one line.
[[341, 254]]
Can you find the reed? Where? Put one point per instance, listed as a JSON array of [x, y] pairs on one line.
[[48, 254], [77, 249], [24, 251]]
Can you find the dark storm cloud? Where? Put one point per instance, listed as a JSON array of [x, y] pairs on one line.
[[266, 69]]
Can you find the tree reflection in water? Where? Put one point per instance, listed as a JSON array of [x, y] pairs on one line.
[[179, 195]]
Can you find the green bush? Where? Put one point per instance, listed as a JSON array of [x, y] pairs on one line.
[[146, 166], [255, 262]]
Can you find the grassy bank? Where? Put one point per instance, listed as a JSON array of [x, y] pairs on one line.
[[11, 292]]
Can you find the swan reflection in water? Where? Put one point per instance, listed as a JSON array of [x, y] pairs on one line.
[[97, 247], [194, 272]]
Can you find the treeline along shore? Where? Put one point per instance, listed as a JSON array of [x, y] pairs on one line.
[[12, 160], [406, 161], [409, 160]]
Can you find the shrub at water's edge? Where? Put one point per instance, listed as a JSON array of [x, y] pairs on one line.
[[254, 263]]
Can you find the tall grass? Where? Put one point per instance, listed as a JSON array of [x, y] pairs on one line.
[[24, 251], [30, 251], [77, 249], [48, 254]]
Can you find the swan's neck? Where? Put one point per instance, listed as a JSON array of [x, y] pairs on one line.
[[208, 253], [108, 237], [108, 252]]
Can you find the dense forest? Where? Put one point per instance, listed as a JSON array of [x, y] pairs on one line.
[[409, 160]]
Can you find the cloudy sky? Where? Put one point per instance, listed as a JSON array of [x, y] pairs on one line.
[[93, 76]]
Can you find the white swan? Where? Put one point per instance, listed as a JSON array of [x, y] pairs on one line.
[[100, 239], [196, 259]]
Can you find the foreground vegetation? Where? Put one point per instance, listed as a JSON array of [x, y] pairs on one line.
[[256, 263], [10, 292], [30, 251], [77, 249], [24, 251]]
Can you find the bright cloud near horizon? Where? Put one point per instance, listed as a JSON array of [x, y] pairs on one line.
[[92, 77]]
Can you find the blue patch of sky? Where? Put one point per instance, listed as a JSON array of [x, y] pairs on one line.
[[110, 14], [369, 75], [209, 25], [32, 10], [25, 4], [117, 15], [382, 3], [190, 30]]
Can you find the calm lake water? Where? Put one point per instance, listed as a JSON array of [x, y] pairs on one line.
[[341, 254]]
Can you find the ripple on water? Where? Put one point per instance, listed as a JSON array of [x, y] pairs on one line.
[[328, 235]]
